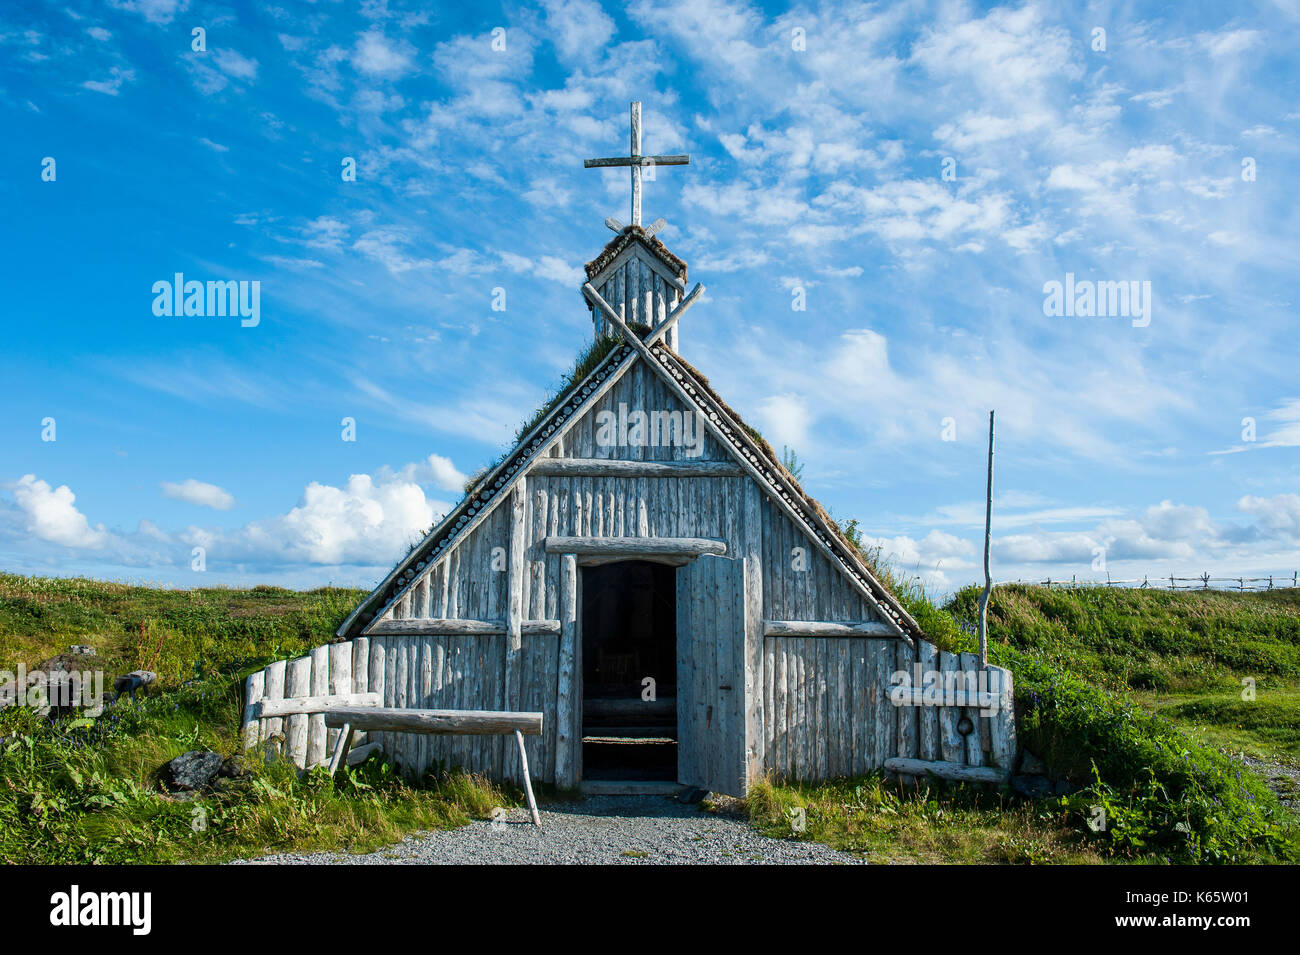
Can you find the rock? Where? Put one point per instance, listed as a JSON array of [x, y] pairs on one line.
[[82, 650], [1033, 786], [133, 681], [1031, 765], [1064, 787], [194, 770], [232, 767]]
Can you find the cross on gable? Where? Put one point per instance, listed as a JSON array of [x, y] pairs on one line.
[[637, 162]]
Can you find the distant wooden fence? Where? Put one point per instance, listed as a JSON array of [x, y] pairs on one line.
[[1171, 582]]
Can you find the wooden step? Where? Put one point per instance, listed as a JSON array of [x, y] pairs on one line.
[[616, 787]]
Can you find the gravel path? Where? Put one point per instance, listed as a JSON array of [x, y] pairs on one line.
[[643, 830], [1281, 778]]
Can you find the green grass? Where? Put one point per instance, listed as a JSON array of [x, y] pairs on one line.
[[1267, 727], [1188, 656], [179, 634], [78, 790], [1132, 695], [886, 823], [1149, 639], [1092, 667]]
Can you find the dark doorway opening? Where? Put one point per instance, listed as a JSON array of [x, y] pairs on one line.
[[629, 634]]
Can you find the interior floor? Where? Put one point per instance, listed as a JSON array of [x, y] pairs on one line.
[[629, 670]]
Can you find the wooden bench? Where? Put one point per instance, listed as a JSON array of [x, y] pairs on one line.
[[350, 713]]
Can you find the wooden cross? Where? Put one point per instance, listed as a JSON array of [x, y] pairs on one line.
[[637, 162]]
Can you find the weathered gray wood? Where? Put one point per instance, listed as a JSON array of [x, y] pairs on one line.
[[907, 713], [952, 747], [297, 683], [1003, 724], [674, 160], [320, 686], [273, 728], [446, 627], [710, 679], [933, 699], [424, 697], [750, 540], [954, 771], [466, 722], [378, 672], [663, 328], [820, 628], [886, 721], [360, 677], [609, 468], [970, 665], [341, 748], [401, 687], [542, 447], [293, 706], [927, 655], [716, 421], [568, 735], [528, 783], [340, 678], [254, 686], [515, 584], [633, 548], [358, 754]]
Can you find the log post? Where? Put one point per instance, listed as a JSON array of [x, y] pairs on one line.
[[528, 783], [515, 585], [341, 747], [252, 696], [567, 742]]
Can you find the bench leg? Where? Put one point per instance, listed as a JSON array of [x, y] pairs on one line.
[[341, 748], [528, 783]]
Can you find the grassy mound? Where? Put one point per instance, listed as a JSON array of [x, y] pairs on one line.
[[1151, 789], [1076, 654], [1149, 639]]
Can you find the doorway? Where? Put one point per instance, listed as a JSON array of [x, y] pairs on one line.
[[629, 671]]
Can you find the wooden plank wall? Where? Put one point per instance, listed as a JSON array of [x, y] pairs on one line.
[[828, 712], [640, 294], [426, 672], [818, 708]]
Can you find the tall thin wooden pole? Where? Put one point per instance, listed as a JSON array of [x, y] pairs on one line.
[[636, 163], [988, 577]]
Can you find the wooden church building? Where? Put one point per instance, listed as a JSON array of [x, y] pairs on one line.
[[642, 571]]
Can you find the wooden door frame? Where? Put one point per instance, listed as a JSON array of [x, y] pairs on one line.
[[579, 687]]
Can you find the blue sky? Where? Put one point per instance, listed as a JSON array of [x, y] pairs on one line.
[[818, 135]]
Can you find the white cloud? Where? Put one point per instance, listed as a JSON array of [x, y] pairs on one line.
[[579, 28], [785, 420], [200, 493], [1277, 516], [438, 471], [376, 55], [117, 76], [369, 520], [160, 12], [1229, 42], [385, 246], [51, 514]]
